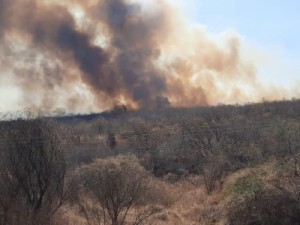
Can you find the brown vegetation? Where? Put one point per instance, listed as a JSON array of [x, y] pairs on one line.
[[224, 165], [32, 171]]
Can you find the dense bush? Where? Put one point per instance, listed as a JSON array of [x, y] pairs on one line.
[[255, 201]]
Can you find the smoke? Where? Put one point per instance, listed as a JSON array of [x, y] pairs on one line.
[[92, 55]]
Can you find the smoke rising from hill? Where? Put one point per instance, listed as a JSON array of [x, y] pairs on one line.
[[89, 55]]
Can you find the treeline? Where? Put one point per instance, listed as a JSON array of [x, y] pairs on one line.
[[183, 142]]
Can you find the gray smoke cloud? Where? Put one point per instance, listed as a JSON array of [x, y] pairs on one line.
[[46, 54]]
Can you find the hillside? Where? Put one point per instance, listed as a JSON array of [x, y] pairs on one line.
[[229, 164]]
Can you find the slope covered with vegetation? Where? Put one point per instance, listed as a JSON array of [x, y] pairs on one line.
[[208, 165]]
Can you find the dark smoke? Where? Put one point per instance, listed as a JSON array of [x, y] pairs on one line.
[[134, 36], [55, 61], [91, 59], [4, 8]]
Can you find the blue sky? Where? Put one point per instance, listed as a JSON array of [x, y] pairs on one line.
[[267, 22], [274, 26]]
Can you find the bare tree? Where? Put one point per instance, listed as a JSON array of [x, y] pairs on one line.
[[112, 186], [213, 171], [32, 170], [199, 137]]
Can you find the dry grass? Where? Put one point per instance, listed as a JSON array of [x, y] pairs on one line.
[[186, 202]]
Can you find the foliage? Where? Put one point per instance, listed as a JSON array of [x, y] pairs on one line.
[[246, 187]]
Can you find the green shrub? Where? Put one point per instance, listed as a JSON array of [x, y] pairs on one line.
[[246, 186]]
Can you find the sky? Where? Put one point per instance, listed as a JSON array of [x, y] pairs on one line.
[[272, 27]]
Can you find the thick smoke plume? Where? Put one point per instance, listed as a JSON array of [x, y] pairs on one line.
[[92, 55]]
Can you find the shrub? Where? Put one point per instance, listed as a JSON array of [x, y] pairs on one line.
[[256, 203], [110, 187]]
